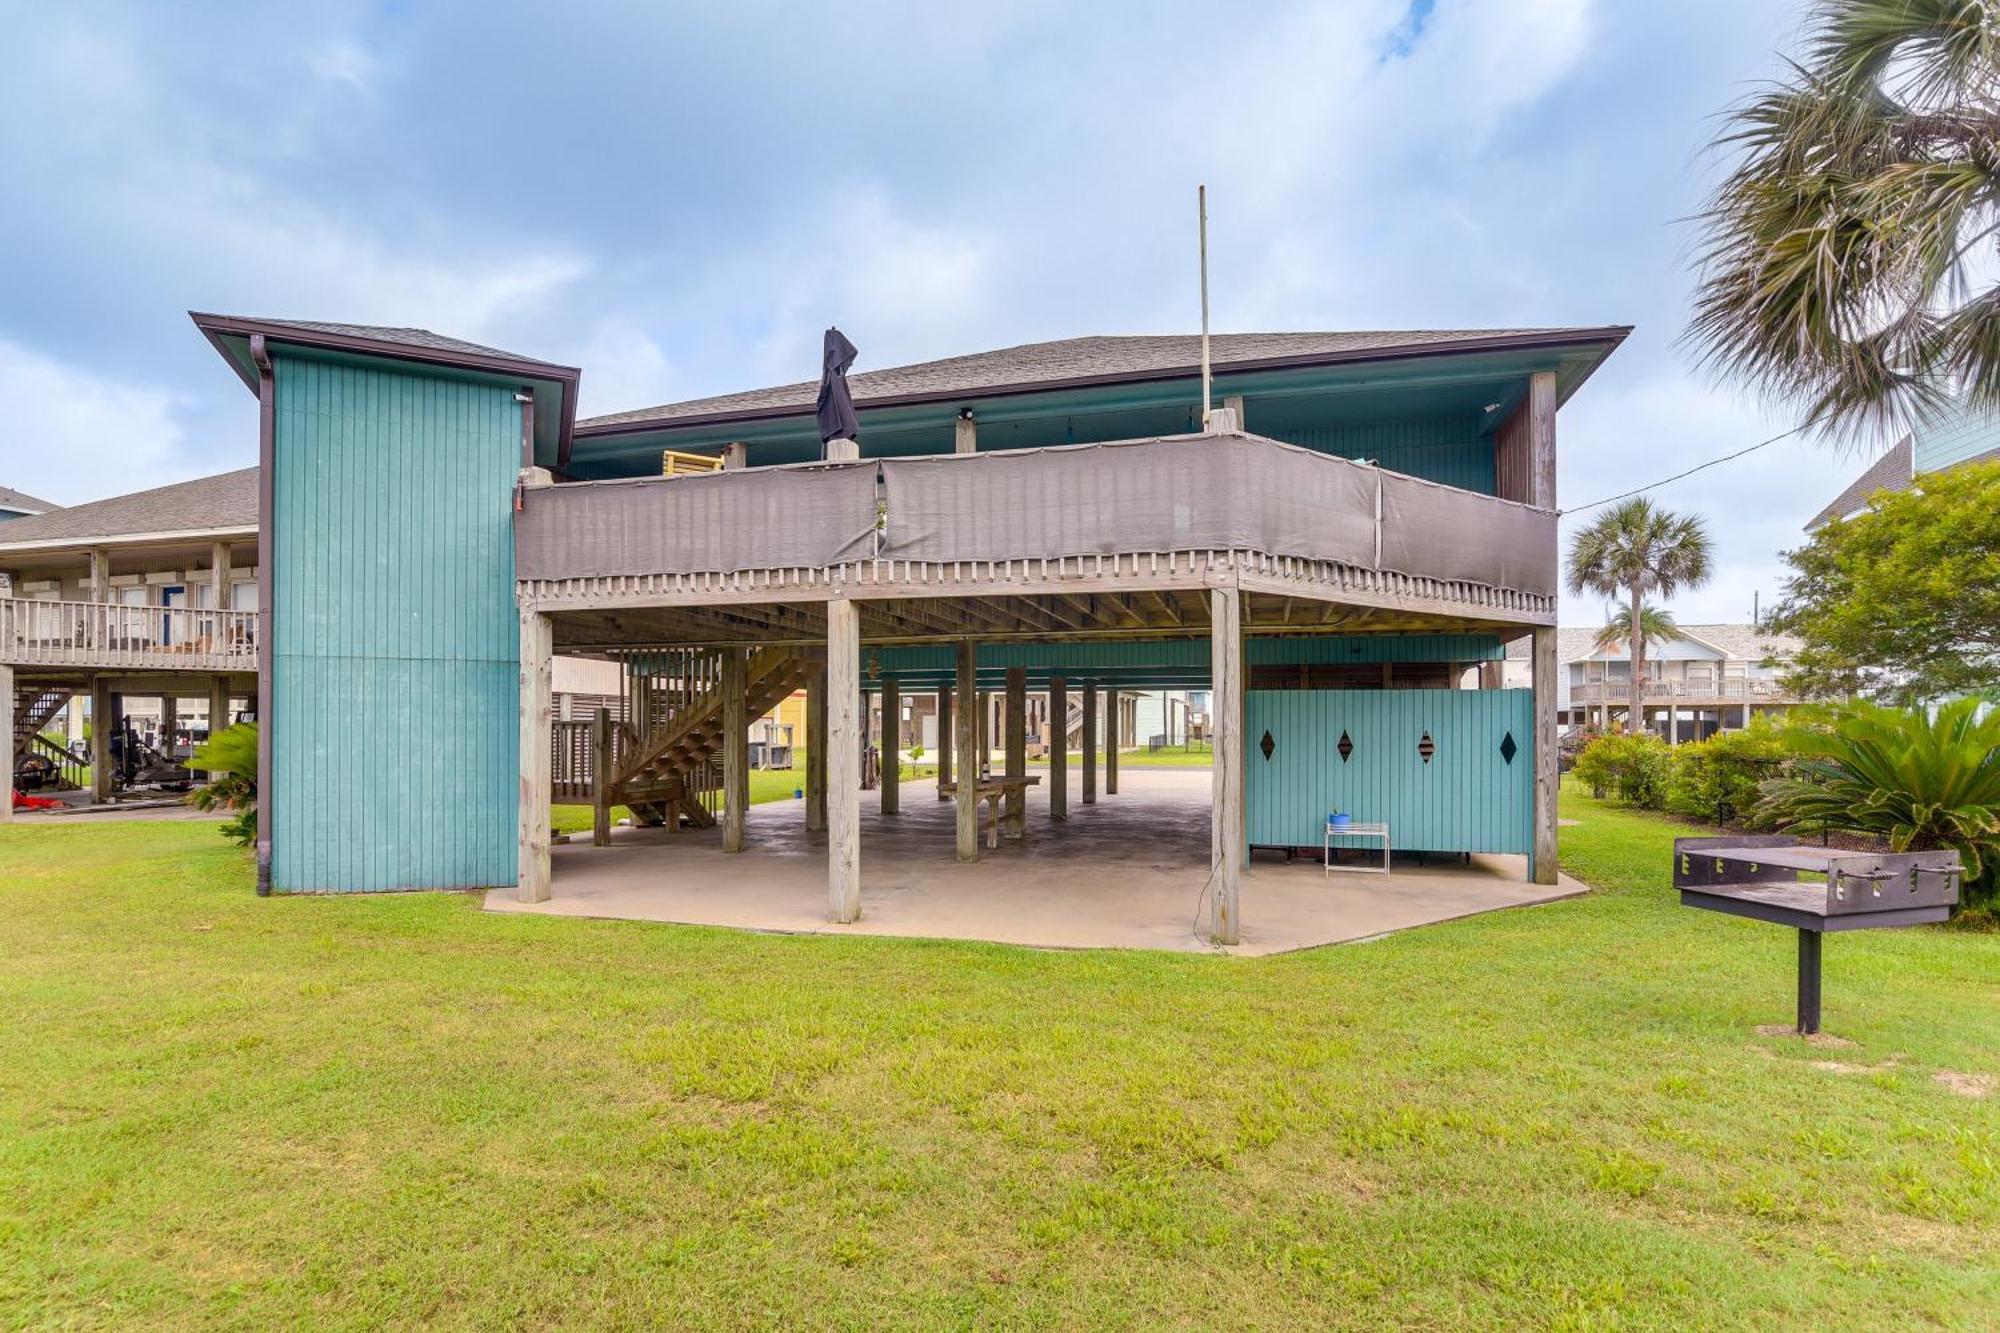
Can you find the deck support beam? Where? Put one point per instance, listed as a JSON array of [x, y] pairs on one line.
[[101, 723], [891, 767], [1016, 729], [735, 747], [1090, 743], [947, 742], [843, 760], [600, 780], [1542, 861], [1114, 706], [816, 751], [965, 736], [7, 738], [218, 704], [1226, 849], [531, 883], [1058, 749], [218, 576]]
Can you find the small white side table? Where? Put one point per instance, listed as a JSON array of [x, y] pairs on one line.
[[1356, 831]]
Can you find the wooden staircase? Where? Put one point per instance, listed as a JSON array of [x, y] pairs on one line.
[[35, 707], [657, 774]]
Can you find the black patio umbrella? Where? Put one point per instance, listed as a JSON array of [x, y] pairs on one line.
[[836, 404]]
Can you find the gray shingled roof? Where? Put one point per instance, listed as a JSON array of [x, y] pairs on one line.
[[1074, 359], [1893, 471], [436, 342], [1736, 642], [21, 500], [226, 501]]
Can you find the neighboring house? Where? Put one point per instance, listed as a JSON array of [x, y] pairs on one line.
[[1963, 436], [1711, 678], [19, 504], [1168, 717], [149, 598], [1359, 521]]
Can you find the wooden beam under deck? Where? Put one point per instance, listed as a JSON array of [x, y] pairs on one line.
[[987, 581]]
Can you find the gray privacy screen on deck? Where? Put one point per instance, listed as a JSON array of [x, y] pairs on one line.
[[1198, 493], [719, 522], [1445, 533], [1182, 493]]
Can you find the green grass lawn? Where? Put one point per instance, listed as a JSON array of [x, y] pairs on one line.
[[1198, 755], [340, 1112]]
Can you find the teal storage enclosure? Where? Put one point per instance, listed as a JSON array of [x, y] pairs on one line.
[[395, 683], [1473, 793]]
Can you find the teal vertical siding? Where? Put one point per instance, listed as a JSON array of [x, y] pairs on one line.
[[1442, 449], [395, 742], [1468, 798]]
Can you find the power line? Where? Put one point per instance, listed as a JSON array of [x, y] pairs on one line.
[[1750, 449]]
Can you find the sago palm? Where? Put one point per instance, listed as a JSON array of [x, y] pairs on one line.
[[1920, 782], [1631, 551], [1841, 258]]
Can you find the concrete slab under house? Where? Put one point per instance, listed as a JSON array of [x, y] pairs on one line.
[[1334, 551]]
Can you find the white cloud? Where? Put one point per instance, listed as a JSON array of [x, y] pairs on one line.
[[348, 63], [623, 368], [87, 437]]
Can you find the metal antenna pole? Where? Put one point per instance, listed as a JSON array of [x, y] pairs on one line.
[[1201, 201]]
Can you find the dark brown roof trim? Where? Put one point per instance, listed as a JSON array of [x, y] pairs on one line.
[[218, 327], [1612, 334]]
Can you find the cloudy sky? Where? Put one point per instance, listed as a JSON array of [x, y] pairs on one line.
[[679, 198]]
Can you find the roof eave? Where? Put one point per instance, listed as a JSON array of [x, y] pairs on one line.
[[1610, 336], [104, 541], [218, 328]]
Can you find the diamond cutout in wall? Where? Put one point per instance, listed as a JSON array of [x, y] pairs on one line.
[[1507, 747], [1267, 745], [1346, 747], [1427, 747]]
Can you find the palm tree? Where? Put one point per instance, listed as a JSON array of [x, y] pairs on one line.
[[1633, 550], [1838, 256], [1655, 626]]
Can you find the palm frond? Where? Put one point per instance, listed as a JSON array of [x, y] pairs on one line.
[[1834, 256]]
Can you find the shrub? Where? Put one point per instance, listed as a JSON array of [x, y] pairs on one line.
[[232, 754], [1634, 767], [1718, 780], [1918, 780]]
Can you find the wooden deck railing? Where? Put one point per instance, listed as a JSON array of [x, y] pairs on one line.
[[111, 634], [573, 759], [1735, 689]]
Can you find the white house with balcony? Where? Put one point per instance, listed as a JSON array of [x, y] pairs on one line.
[[1711, 678]]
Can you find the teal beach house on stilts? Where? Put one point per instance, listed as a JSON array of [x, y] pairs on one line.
[[1337, 549]]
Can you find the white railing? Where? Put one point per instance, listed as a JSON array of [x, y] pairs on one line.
[[111, 634], [1728, 689]]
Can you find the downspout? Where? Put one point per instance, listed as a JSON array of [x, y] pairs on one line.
[[267, 415]]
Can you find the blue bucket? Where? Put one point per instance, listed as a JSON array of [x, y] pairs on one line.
[[1338, 820]]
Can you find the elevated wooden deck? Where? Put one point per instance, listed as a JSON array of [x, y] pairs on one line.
[[1147, 526], [113, 636]]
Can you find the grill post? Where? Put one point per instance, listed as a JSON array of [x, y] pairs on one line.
[[1809, 946]]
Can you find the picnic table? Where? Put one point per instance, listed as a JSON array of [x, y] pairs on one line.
[[991, 789]]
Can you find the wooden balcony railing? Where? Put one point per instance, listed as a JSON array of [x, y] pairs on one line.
[[110, 634], [1728, 689]]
